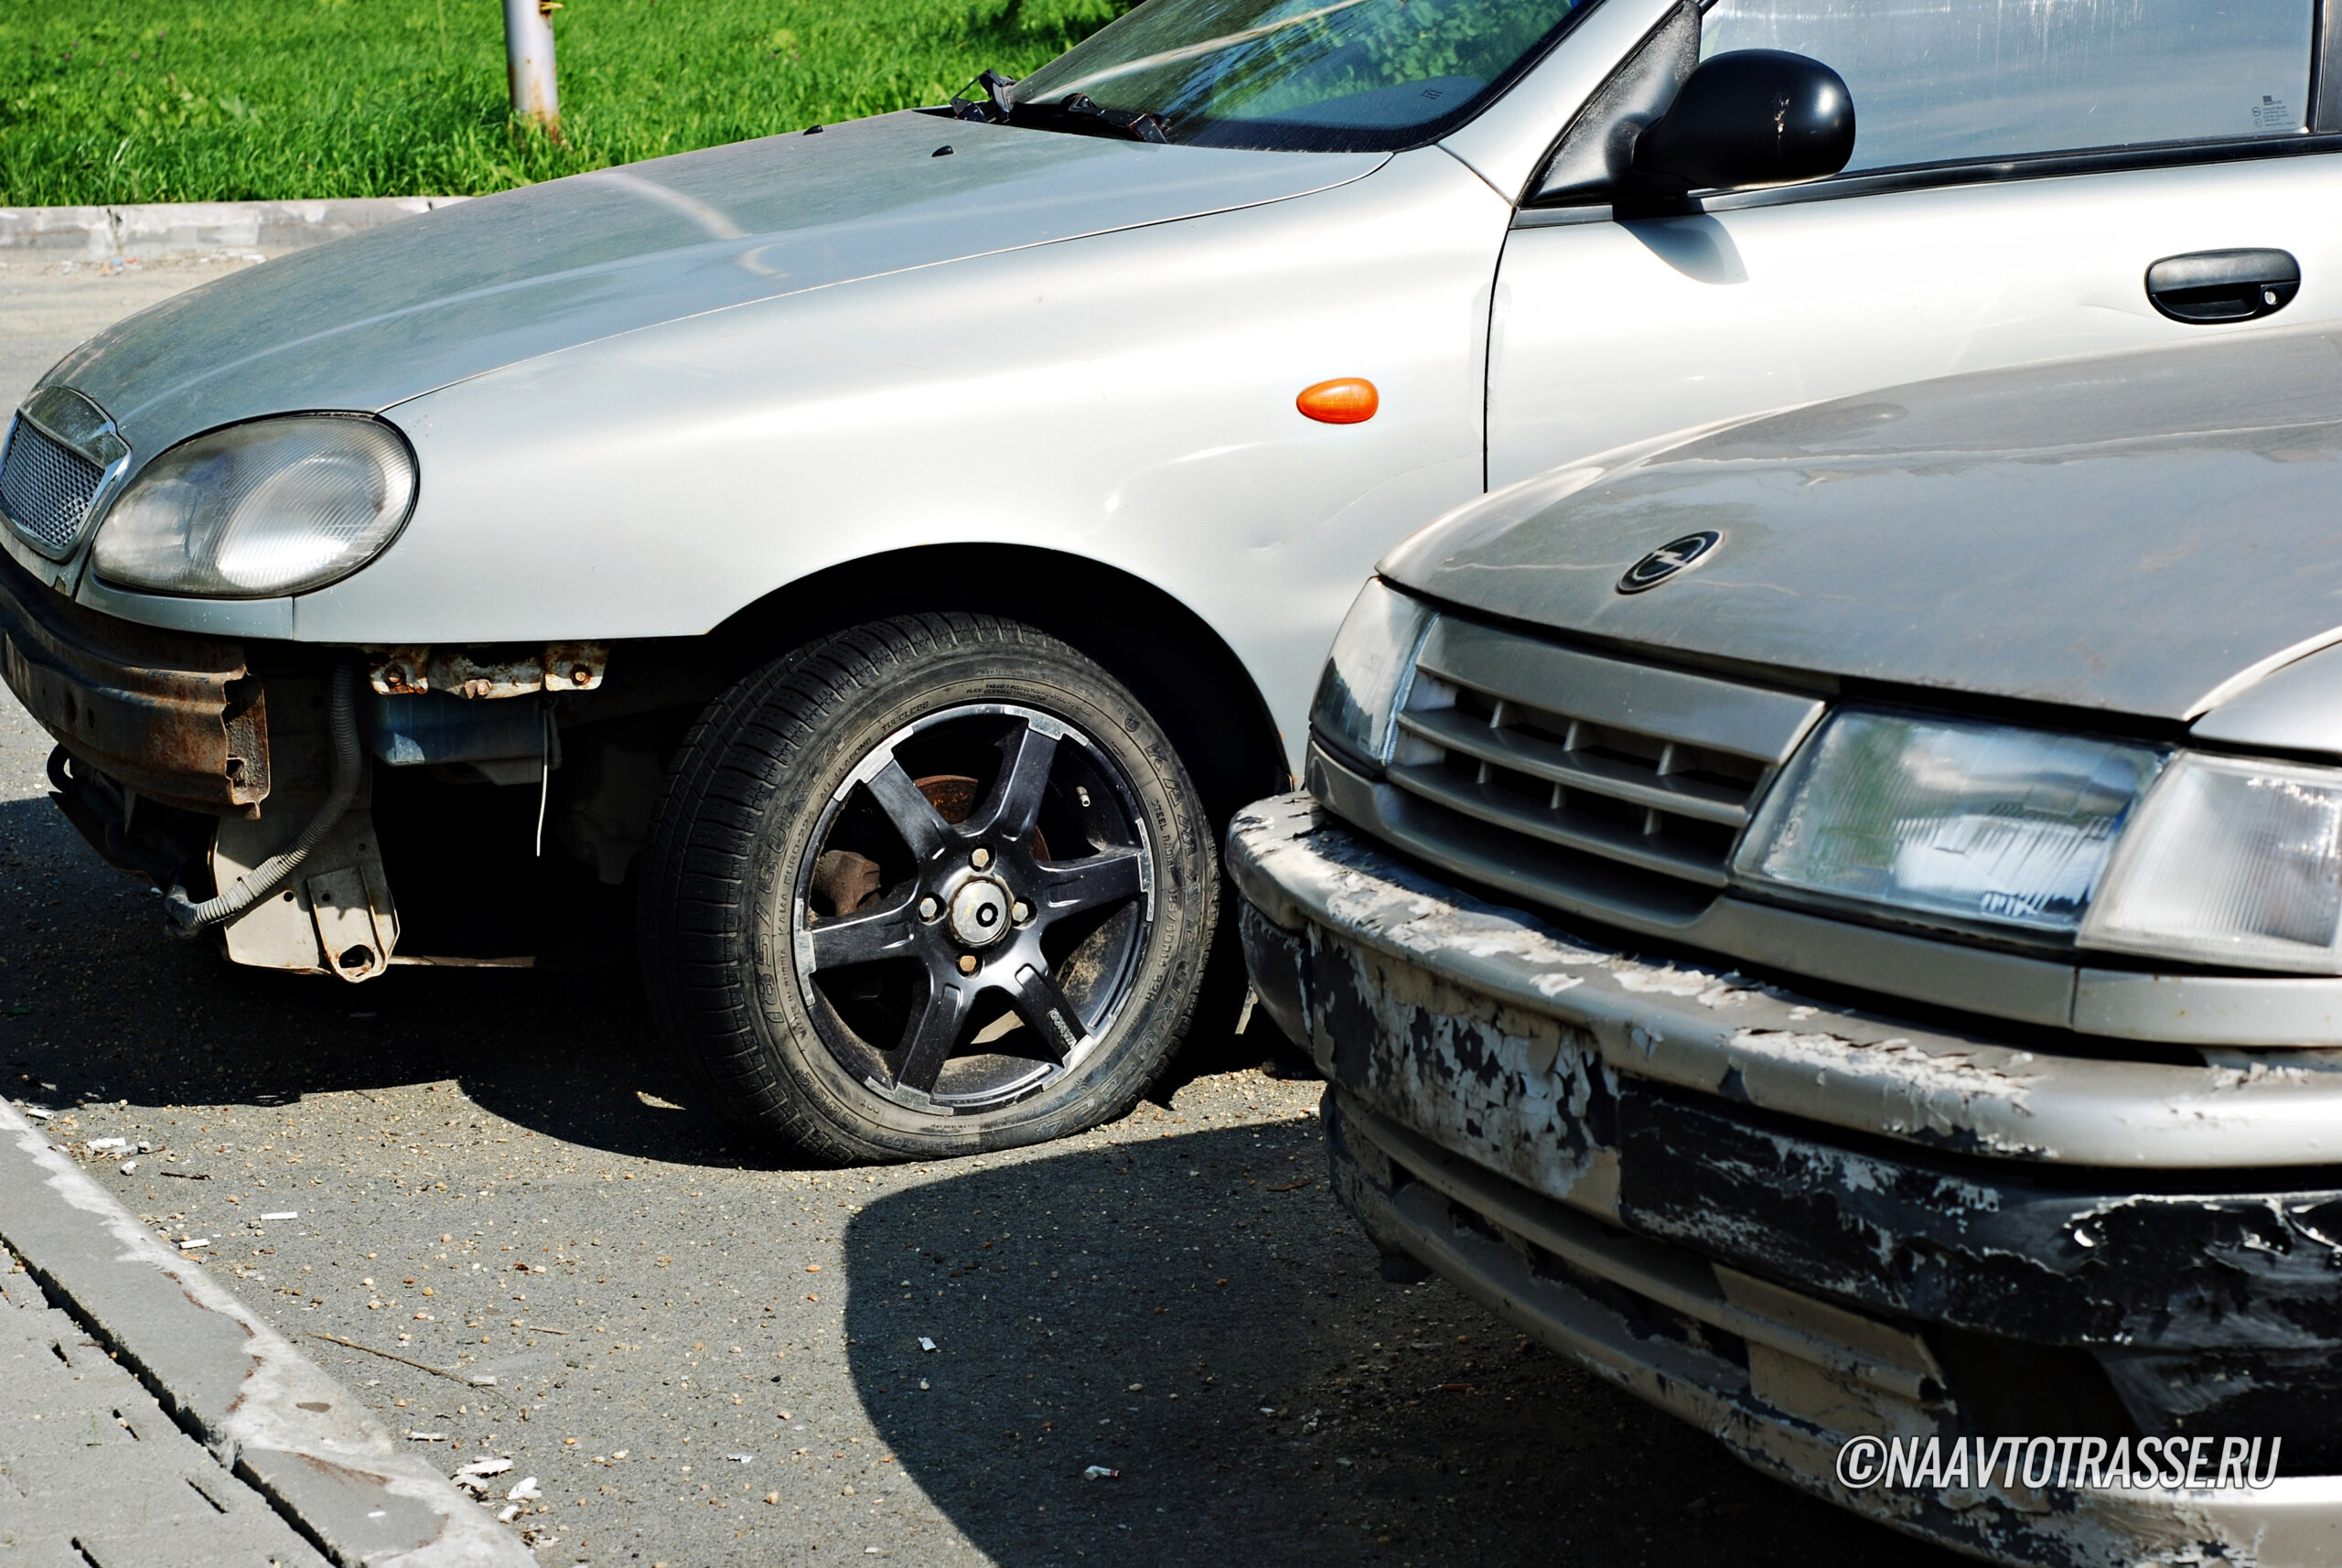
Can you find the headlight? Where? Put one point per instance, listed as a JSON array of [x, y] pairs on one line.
[[273, 507], [1947, 818], [1365, 674], [2231, 862]]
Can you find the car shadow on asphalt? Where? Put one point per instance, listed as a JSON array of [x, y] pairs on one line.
[[114, 1008], [1187, 1314], [569, 1054], [97, 998]]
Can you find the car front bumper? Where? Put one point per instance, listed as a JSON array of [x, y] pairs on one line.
[[1793, 1223]]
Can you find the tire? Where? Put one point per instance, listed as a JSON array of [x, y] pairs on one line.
[[857, 927]]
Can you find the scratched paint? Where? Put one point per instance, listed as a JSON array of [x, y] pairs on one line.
[[1523, 1094], [1706, 1385], [1715, 1031]]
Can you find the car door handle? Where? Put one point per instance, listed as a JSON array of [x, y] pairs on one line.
[[2223, 286]]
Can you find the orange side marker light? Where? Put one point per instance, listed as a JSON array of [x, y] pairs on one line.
[[1349, 400]]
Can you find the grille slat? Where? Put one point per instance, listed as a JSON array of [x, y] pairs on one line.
[[1701, 711], [1580, 769], [1614, 840], [46, 487], [1650, 767]]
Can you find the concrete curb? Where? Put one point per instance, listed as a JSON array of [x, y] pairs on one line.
[[199, 228], [233, 1382]]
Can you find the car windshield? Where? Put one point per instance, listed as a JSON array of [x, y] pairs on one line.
[[1349, 76]]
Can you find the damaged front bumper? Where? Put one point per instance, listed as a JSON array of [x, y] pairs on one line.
[[1794, 1224]]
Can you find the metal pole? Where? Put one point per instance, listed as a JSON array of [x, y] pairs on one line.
[[527, 56]]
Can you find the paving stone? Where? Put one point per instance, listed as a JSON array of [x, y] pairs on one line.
[[96, 1473]]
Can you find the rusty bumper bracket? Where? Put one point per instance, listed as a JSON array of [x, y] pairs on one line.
[[188, 917], [505, 671], [175, 718]]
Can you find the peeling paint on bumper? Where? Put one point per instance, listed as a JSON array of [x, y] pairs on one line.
[[1792, 1224]]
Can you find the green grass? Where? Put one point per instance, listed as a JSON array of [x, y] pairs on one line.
[[134, 100]]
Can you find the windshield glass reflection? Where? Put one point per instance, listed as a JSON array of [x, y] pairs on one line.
[[1320, 75]]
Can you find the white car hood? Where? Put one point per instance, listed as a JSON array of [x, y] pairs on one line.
[[368, 322]]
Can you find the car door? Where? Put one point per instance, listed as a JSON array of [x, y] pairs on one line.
[[2017, 171]]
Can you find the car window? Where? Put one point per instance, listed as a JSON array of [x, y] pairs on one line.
[[1350, 76], [1936, 80]]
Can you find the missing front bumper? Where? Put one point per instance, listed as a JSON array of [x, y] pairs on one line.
[[165, 758]]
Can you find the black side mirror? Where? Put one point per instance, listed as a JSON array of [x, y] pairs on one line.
[[1749, 117]]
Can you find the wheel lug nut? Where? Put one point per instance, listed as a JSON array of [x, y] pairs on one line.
[[929, 908], [981, 859], [1022, 912], [967, 963]]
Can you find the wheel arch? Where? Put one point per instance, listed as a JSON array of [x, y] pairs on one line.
[[1170, 656]]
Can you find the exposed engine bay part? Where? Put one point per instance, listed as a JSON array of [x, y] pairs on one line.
[[483, 672], [338, 918], [188, 917], [503, 743]]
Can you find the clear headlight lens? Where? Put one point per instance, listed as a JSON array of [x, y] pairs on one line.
[[1367, 673], [277, 506], [1971, 822], [2212, 860], [2231, 862]]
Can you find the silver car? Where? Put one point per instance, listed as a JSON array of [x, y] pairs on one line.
[[1837, 924], [885, 554]]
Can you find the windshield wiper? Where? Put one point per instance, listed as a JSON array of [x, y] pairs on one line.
[[1143, 126], [995, 107], [1086, 117]]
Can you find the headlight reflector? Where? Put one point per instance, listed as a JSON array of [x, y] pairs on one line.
[[1947, 817], [2231, 862], [277, 506], [1365, 674]]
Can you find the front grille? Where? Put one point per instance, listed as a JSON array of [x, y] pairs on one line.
[[1635, 763], [46, 487]]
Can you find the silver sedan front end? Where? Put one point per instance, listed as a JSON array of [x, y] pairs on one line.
[[1919, 1184]]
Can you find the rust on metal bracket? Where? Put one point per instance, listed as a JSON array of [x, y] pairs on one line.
[[176, 718], [504, 670]]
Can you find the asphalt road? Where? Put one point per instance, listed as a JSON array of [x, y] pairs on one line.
[[706, 1355]]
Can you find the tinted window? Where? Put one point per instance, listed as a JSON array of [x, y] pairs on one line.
[[1353, 75], [1940, 80]]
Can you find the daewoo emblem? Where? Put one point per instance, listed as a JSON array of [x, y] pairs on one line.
[[1670, 560]]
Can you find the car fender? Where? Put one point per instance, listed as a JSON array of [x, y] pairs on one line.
[[1127, 397]]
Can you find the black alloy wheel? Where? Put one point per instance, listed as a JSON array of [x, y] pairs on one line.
[[948, 958], [931, 886]]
